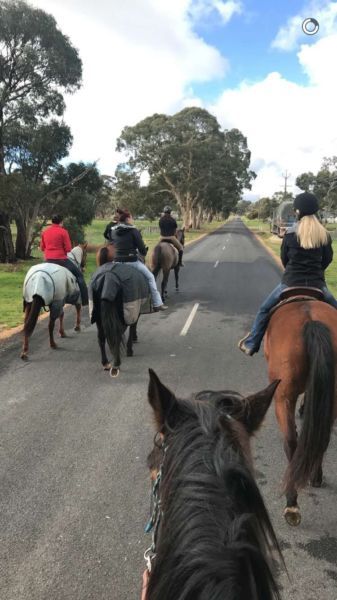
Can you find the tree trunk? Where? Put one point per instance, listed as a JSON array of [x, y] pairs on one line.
[[21, 239], [210, 217], [7, 254], [198, 217]]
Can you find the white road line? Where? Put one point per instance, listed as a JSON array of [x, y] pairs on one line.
[[216, 264], [189, 320]]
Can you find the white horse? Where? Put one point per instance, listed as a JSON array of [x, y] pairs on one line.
[[50, 285]]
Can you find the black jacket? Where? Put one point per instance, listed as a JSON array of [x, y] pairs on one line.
[[304, 267], [127, 241], [167, 225]]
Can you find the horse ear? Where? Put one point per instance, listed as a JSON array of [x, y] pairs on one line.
[[257, 406], [162, 400]]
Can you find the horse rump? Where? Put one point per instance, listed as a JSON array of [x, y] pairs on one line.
[[33, 314], [318, 405]]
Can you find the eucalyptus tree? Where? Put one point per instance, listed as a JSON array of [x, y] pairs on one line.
[[189, 159], [38, 64]]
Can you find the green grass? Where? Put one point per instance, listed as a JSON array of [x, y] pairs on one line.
[[12, 276], [263, 231]]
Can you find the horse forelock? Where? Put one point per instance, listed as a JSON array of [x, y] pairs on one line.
[[214, 519]]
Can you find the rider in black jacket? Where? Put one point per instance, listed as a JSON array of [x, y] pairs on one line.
[[168, 229], [129, 247]]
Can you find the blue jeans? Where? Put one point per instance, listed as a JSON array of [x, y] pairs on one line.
[[260, 324], [156, 297]]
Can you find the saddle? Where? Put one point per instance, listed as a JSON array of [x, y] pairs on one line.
[[298, 294]]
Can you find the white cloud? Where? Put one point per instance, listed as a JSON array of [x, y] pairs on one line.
[[138, 58], [201, 9], [291, 34], [228, 9], [288, 126]]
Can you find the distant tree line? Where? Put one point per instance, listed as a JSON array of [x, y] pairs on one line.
[[323, 185]]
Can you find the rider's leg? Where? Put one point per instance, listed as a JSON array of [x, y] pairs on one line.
[[156, 298], [68, 264], [329, 298], [252, 341]]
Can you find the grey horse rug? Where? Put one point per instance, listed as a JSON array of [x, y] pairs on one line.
[[119, 280]]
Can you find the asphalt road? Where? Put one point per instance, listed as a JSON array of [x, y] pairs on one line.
[[73, 442]]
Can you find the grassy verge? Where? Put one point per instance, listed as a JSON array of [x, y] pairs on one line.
[[262, 230], [12, 276]]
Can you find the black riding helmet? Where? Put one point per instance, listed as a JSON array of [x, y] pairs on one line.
[[167, 209], [305, 204]]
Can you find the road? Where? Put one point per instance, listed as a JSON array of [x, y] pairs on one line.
[[74, 486]]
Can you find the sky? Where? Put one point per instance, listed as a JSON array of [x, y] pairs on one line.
[[246, 61]]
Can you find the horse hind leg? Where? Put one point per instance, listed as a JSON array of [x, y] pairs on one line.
[[102, 345], [285, 414], [176, 275], [62, 332], [25, 345], [78, 317], [51, 326], [164, 285]]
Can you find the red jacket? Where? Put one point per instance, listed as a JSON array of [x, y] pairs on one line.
[[55, 242]]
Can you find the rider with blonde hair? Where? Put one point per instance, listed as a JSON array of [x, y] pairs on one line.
[[306, 252]]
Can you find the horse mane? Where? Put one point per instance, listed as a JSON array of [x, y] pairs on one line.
[[102, 256], [215, 535]]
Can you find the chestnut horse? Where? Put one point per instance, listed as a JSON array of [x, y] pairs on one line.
[[301, 350], [165, 258], [211, 534]]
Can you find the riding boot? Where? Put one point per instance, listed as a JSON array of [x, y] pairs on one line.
[[180, 263]]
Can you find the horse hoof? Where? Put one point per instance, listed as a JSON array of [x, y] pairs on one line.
[[292, 515], [114, 372], [107, 367], [53, 346], [129, 353], [63, 335], [24, 356], [77, 328]]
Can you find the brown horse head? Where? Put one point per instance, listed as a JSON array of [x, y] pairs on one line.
[[212, 533]]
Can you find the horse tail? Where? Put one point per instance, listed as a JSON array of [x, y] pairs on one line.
[[156, 259], [33, 315], [112, 325], [318, 405]]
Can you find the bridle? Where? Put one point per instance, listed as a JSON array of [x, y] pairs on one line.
[[156, 509]]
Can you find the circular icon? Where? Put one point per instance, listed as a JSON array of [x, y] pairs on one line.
[[310, 26]]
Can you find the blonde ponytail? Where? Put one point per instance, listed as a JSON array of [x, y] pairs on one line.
[[310, 233]]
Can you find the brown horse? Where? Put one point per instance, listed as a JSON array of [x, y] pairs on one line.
[[301, 350], [165, 258], [211, 533]]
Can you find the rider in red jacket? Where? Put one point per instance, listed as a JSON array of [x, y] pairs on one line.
[[55, 244]]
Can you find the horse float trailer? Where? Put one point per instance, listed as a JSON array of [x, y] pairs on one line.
[[283, 217]]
